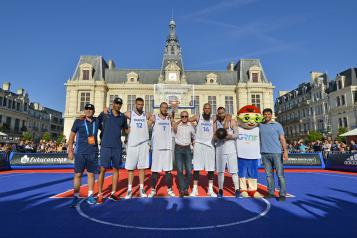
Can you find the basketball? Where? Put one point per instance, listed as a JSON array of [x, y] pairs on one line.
[[221, 133]]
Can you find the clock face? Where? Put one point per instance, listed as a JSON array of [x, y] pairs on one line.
[[172, 76]]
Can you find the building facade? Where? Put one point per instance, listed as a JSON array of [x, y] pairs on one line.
[[97, 81], [56, 122], [343, 100], [14, 107], [321, 105], [18, 115]]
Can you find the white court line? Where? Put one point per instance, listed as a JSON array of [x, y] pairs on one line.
[[337, 175], [260, 215], [55, 196]]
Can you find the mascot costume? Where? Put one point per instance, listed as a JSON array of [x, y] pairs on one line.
[[248, 150]]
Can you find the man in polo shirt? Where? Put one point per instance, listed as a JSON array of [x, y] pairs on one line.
[[273, 151], [111, 146], [86, 154], [184, 135]]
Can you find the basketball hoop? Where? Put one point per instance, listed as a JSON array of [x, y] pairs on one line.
[[176, 96]]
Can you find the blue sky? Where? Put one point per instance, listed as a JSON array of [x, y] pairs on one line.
[[41, 41]]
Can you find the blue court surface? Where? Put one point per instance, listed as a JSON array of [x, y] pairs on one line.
[[323, 204]]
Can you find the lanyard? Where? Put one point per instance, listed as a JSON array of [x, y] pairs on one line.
[[85, 125]]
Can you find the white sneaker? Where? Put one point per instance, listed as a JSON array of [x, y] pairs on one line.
[[170, 192], [152, 193], [129, 194], [211, 194], [194, 193], [143, 194]]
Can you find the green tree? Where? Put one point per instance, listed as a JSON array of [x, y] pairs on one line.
[[27, 136], [61, 138], [46, 136], [314, 136], [341, 130]]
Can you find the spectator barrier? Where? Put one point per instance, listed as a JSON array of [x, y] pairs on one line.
[[345, 161], [311, 160], [4, 163]]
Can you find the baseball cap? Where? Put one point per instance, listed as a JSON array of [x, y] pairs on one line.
[[118, 101], [89, 106]]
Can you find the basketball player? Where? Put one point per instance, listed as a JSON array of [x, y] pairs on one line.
[[161, 149], [226, 152], [203, 151], [138, 146]]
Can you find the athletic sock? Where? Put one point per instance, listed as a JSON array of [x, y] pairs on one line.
[[141, 186], [76, 195], [195, 187], [129, 187], [235, 181], [112, 193], [90, 193], [210, 186], [220, 180]]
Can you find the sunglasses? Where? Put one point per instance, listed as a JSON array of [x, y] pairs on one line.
[[184, 116]]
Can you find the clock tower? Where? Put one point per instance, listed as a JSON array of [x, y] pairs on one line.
[[172, 70]]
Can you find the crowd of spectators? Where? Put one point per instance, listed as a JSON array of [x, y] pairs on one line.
[[31, 147], [325, 146]]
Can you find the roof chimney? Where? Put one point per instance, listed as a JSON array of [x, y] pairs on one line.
[[20, 91], [6, 86], [111, 64], [230, 67]]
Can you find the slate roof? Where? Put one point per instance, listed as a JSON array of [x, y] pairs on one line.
[[151, 76]]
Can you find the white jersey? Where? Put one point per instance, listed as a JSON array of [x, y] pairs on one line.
[[248, 143], [204, 132], [139, 131], [228, 146], [162, 134]]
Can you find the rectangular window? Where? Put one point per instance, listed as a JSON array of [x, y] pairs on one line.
[[0, 120], [213, 101], [149, 99], [9, 104], [18, 106], [17, 124], [354, 97], [339, 84], [196, 109], [84, 99], [255, 77], [8, 122], [338, 101], [229, 104], [343, 101], [111, 99], [131, 102], [256, 100], [85, 74], [13, 105], [340, 122], [1, 101], [4, 102], [345, 125]]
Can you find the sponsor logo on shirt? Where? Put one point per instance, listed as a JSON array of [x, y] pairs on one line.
[[247, 137]]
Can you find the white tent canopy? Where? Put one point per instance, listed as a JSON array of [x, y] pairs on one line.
[[2, 134], [350, 133]]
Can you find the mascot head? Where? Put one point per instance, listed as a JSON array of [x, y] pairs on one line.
[[249, 117]]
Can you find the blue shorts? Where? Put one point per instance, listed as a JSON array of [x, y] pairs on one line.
[[85, 161], [110, 157], [248, 168]]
